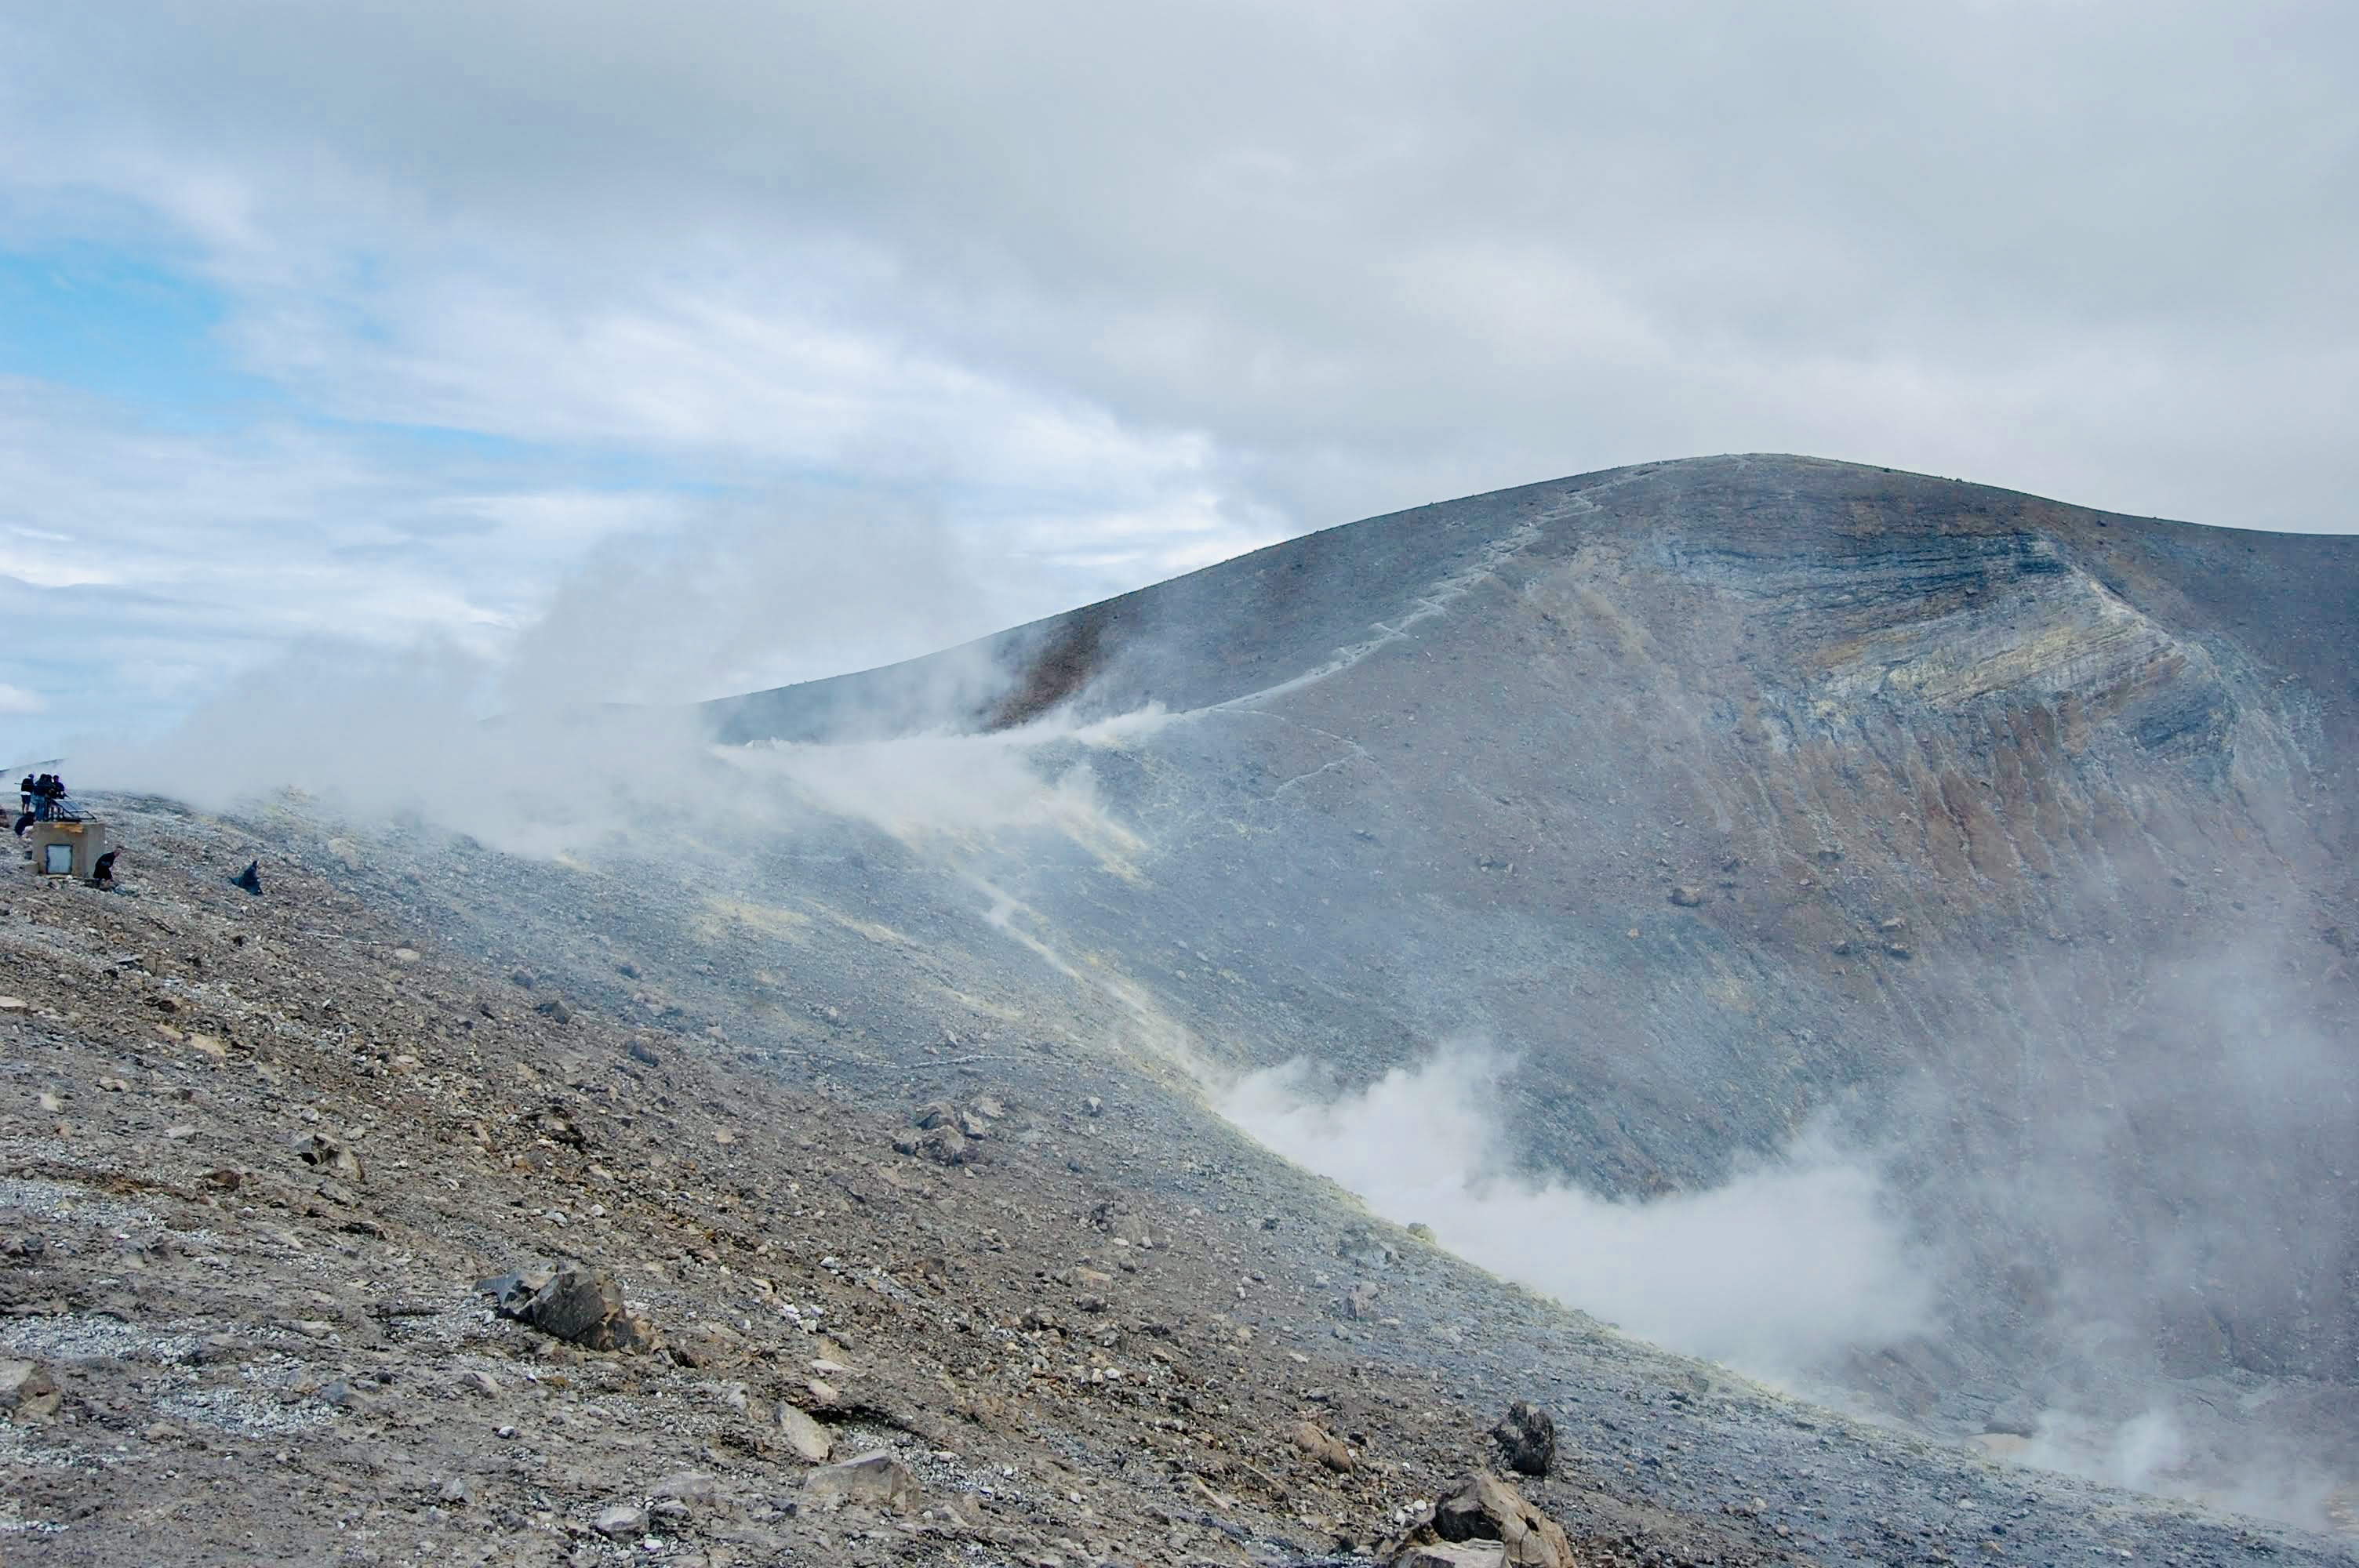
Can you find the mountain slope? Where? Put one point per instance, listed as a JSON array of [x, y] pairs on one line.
[[1734, 795]]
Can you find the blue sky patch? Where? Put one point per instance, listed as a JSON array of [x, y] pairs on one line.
[[123, 328]]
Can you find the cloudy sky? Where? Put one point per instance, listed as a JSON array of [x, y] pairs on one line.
[[824, 334]]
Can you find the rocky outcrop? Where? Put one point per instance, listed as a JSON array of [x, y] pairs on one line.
[[1482, 1507]]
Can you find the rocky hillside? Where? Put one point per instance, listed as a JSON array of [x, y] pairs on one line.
[[824, 1164], [1741, 796], [370, 1219], [326, 1241]]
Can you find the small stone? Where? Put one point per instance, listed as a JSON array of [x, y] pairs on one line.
[[479, 1382], [326, 1152], [620, 1521], [455, 1492], [874, 1477], [1688, 896], [28, 1391], [1093, 1106], [709, 1346], [12, 1004], [807, 1437], [114, 1086], [1317, 1443], [404, 954], [693, 1488]]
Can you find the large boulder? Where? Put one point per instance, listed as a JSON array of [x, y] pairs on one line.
[[1483, 1508]]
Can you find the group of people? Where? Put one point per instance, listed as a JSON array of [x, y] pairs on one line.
[[43, 798]]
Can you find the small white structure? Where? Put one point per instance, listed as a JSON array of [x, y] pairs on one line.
[[67, 849]]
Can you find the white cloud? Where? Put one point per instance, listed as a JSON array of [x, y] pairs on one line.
[[1128, 287], [16, 700]]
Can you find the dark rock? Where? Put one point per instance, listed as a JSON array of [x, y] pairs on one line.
[[249, 879], [1688, 896], [1527, 1439], [571, 1304]]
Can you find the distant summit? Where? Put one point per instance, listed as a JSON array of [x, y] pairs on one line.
[[1735, 794]]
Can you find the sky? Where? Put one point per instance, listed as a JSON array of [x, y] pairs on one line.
[[333, 333]]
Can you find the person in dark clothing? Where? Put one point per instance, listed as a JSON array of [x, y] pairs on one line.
[[43, 793], [24, 794], [102, 871]]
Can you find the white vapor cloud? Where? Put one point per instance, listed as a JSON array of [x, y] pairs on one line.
[[1784, 1265], [1124, 289]]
